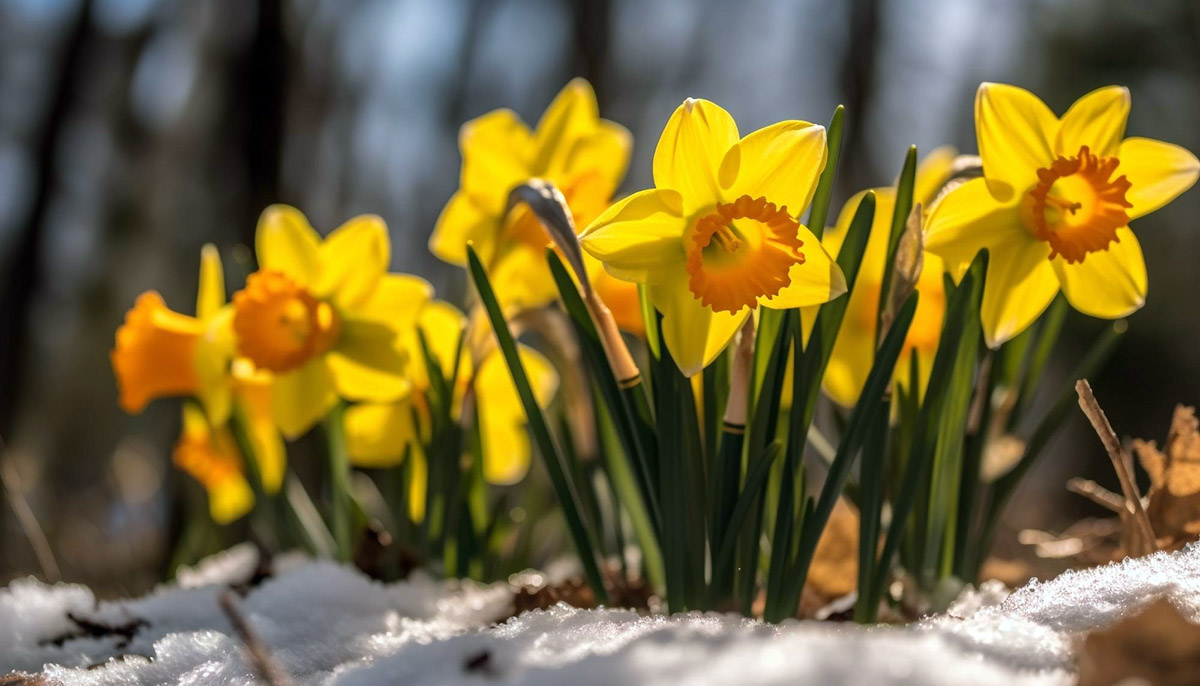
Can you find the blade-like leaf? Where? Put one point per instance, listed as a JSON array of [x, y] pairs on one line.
[[581, 534]]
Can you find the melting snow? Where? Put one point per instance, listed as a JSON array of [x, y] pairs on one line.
[[330, 626]]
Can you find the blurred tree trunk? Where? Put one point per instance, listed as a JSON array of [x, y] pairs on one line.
[[858, 75], [265, 70], [21, 274], [592, 25]]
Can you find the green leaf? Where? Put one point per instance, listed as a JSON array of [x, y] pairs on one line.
[[628, 407], [756, 481], [760, 433], [581, 534], [648, 319], [1047, 336], [962, 300], [904, 205], [681, 493], [339, 484], [870, 508], [861, 417]]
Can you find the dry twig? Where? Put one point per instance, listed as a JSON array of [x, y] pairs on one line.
[[1142, 541], [264, 664]]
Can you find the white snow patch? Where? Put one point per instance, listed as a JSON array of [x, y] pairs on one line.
[[330, 626]]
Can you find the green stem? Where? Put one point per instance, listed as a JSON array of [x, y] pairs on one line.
[[339, 483]]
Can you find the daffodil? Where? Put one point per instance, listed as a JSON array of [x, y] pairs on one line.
[[718, 235], [583, 155], [1054, 205], [324, 316], [380, 434], [854, 351], [162, 353]]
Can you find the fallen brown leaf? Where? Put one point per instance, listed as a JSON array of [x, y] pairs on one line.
[[1157, 645], [1174, 500]]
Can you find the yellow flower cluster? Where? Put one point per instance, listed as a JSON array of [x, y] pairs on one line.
[[320, 322], [717, 237]]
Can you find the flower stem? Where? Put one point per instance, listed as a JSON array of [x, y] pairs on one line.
[[339, 482]]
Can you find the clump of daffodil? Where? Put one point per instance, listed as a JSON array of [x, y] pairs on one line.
[[380, 434], [324, 316], [717, 236], [854, 351], [161, 353], [584, 156], [1054, 205]]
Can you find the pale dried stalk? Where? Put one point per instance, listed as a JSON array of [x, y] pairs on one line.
[[26, 518], [1144, 541], [1097, 494]]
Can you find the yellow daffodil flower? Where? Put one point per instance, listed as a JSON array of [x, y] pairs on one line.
[[718, 235], [854, 352], [1054, 206], [323, 317], [162, 353], [583, 155], [378, 434], [210, 456]]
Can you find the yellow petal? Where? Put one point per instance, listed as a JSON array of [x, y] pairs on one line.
[[497, 151], [254, 392], [443, 325], [780, 162], [230, 499], [1020, 284], [210, 295], [155, 353], [690, 150], [212, 458], [502, 421], [461, 222], [353, 260], [572, 115], [967, 220], [214, 351], [1158, 172], [694, 334], [854, 350], [397, 301], [286, 242], [367, 363], [604, 153], [640, 237], [852, 357], [1108, 283], [818, 280], [522, 279], [1096, 120], [1016, 133], [300, 398], [418, 486], [932, 173], [377, 434], [620, 296]]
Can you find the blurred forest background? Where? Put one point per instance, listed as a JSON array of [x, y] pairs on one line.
[[134, 131]]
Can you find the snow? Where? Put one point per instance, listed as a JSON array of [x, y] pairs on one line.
[[330, 626]]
